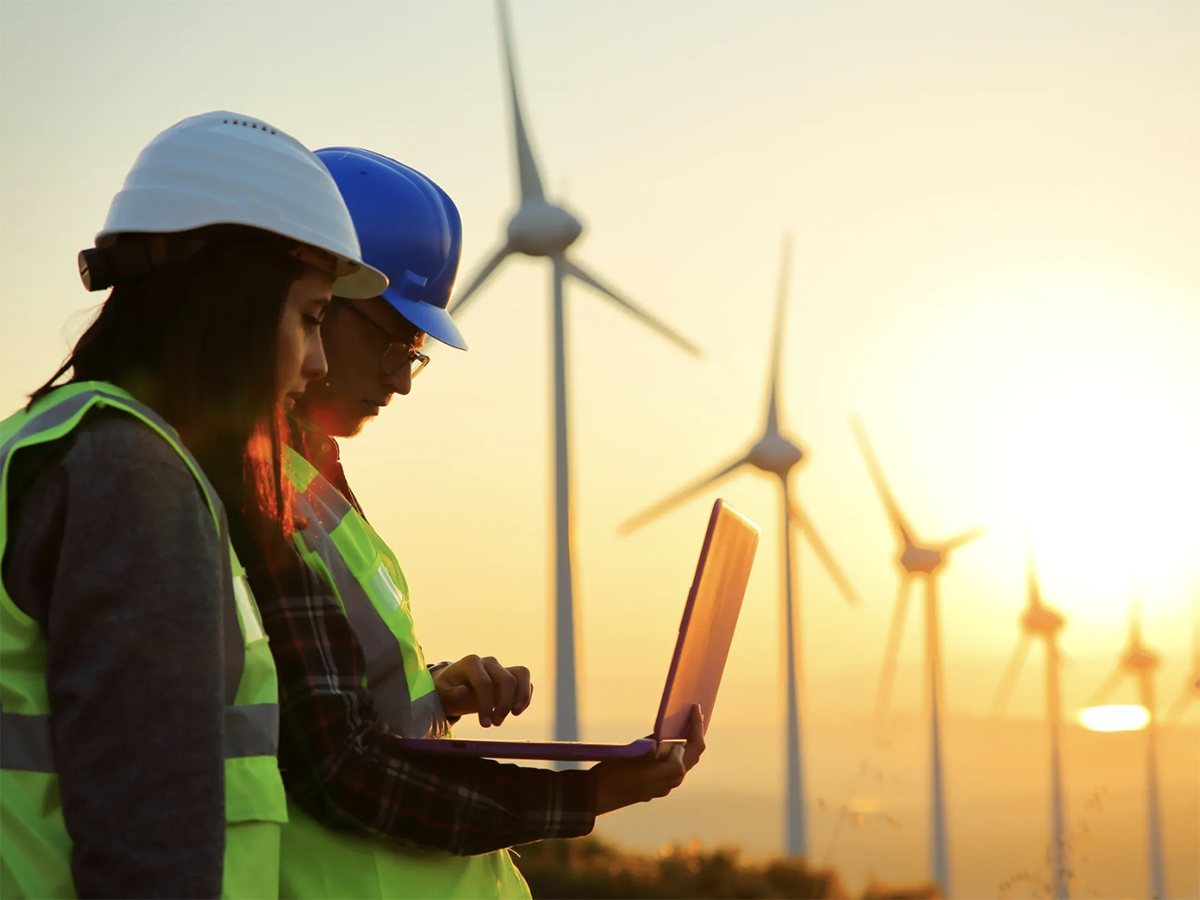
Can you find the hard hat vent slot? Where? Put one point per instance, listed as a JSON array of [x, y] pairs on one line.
[[247, 123]]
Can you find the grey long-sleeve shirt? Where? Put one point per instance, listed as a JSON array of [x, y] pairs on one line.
[[113, 550]]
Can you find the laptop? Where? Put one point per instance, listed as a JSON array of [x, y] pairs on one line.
[[705, 634]]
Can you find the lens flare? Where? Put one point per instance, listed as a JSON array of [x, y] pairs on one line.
[[1115, 718]]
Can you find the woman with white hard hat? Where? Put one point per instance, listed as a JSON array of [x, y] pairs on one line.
[[138, 695]]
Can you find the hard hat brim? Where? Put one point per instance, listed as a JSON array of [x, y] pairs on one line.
[[362, 284], [433, 320]]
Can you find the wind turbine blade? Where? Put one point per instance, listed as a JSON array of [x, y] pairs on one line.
[[1109, 685], [1009, 680], [480, 277], [1179, 707], [959, 539], [1033, 589], [1196, 636], [1135, 623], [635, 311], [527, 172], [883, 697], [781, 294], [679, 496], [881, 485], [804, 523]]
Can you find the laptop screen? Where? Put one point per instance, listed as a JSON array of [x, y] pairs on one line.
[[709, 618]]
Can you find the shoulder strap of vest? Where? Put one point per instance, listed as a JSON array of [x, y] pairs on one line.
[[299, 470], [60, 411]]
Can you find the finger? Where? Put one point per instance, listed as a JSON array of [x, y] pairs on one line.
[[673, 770], [476, 676], [695, 738], [504, 689], [524, 689]]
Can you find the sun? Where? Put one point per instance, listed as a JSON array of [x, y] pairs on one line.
[[1091, 414], [1114, 718]]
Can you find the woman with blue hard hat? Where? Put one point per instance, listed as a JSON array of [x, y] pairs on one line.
[[140, 717], [366, 818]]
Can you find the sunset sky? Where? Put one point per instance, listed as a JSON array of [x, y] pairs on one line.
[[996, 215]]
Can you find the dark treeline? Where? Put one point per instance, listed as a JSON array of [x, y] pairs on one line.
[[590, 868]]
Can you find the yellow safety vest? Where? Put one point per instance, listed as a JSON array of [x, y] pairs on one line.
[[319, 862], [35, 855]]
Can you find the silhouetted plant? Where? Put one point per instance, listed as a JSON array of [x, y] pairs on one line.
[[592, 868]]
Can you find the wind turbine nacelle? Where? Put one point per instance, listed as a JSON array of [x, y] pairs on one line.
[[1141, 659], [921, 559], [775, 454], [539, 229], [1040, 620]]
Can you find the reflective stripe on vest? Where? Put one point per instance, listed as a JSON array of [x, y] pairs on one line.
[[26, 746], [254, 797], [321, 862], [394, 672]]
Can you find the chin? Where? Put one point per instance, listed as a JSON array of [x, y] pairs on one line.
[[335, 423], [350, 430], [347, 426]]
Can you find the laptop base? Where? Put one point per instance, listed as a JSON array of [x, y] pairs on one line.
[[580, 751]]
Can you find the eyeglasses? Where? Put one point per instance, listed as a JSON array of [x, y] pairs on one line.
[[397, 353]]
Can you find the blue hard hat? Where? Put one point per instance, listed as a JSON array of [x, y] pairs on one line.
[[409, 229]]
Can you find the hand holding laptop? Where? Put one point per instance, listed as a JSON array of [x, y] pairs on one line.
[[624, 782]]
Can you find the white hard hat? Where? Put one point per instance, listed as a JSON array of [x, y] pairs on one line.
[[222, 168]]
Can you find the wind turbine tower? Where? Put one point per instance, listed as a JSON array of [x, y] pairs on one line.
[[924, 561], [542, 228], [1139, 662], [1191, 689], [775, 454], [1040, 622]]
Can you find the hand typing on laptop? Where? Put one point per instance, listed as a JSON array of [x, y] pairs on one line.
[[483, 686], [624, 782]]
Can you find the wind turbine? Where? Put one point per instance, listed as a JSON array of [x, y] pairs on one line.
[[1040, 622], [542, 228], [1140, 662], [1191, 689], [917, 561], [776, 455]]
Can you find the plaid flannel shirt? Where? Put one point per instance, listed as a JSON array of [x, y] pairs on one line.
[[343, 766]]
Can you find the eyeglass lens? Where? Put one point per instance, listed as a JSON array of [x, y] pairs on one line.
[[398, 355]]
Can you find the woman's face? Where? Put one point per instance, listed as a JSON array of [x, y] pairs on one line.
[[301, 356]]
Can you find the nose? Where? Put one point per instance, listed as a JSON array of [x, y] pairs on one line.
[[315, 365], [399, 381]]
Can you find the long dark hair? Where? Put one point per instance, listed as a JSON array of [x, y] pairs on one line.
[[196, 339]]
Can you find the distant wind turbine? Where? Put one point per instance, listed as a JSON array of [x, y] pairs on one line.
[[1040, 622], [917, 560], [542, 228], [1191, 689], [1140, 662], [776, 455]]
